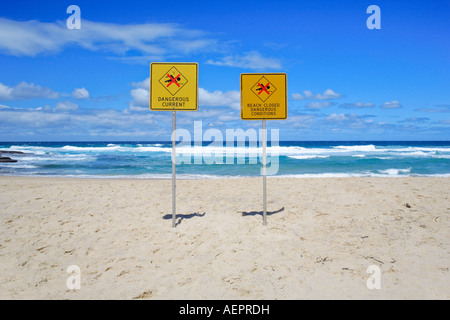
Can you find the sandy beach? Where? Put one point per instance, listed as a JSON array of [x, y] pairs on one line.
[[321, 237]]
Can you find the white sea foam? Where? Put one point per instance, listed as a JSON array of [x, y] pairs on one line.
[[21, 166], [354, 151], [394, 172], [416, 154], [29, 149], [307, 157], [204, 176], [318, 175], [151, 149], [439, 175], [156, 176], [57, 157], [424, 149], [74, 148], [365, 148], [386, 174], [118, 148]]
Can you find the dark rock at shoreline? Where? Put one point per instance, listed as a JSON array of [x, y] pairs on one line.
[[11, 152], [7, 160]]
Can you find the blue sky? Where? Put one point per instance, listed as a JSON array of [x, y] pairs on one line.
[[345, 81]]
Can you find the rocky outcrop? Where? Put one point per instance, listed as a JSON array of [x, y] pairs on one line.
[[11, 152], [8, 159]]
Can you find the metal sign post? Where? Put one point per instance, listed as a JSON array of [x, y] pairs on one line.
[[174, 173], [264, 138], [173, 86], [264, 97]]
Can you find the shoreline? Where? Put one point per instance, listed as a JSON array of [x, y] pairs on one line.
[[321, 237], [257, 178], [210, 177]]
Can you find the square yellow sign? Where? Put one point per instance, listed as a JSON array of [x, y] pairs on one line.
[[173, 86], [263, 96]]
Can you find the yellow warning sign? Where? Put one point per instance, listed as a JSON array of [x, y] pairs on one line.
[[173, 86], [263, 96]]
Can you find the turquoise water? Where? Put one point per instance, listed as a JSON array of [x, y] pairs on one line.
[[142, 160]]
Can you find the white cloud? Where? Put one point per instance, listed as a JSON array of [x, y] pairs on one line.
[[27, 119], [297, 96], [30, 38], [308, 95], [318, 105], [141, 99], [357, 105], [80, 93], [138, 60], [444, 108], [300, 121], [44, 108], [5, 92], [83, 122], [415, 120], [391, 105], [350, 121], [26, 91], [229, 116], [66, 106], [231, 99], [337, 117], [145, 84], [140, 96], [328, 94], [250, 60]]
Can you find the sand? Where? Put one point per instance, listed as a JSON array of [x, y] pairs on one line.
[[322, 236]]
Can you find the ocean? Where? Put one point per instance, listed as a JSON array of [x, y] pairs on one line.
[[299, 159]]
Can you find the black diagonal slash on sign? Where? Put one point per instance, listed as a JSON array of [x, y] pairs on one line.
[[173, 80]]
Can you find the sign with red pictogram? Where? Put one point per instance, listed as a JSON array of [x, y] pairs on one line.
[[263, 96], [173, 86]]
